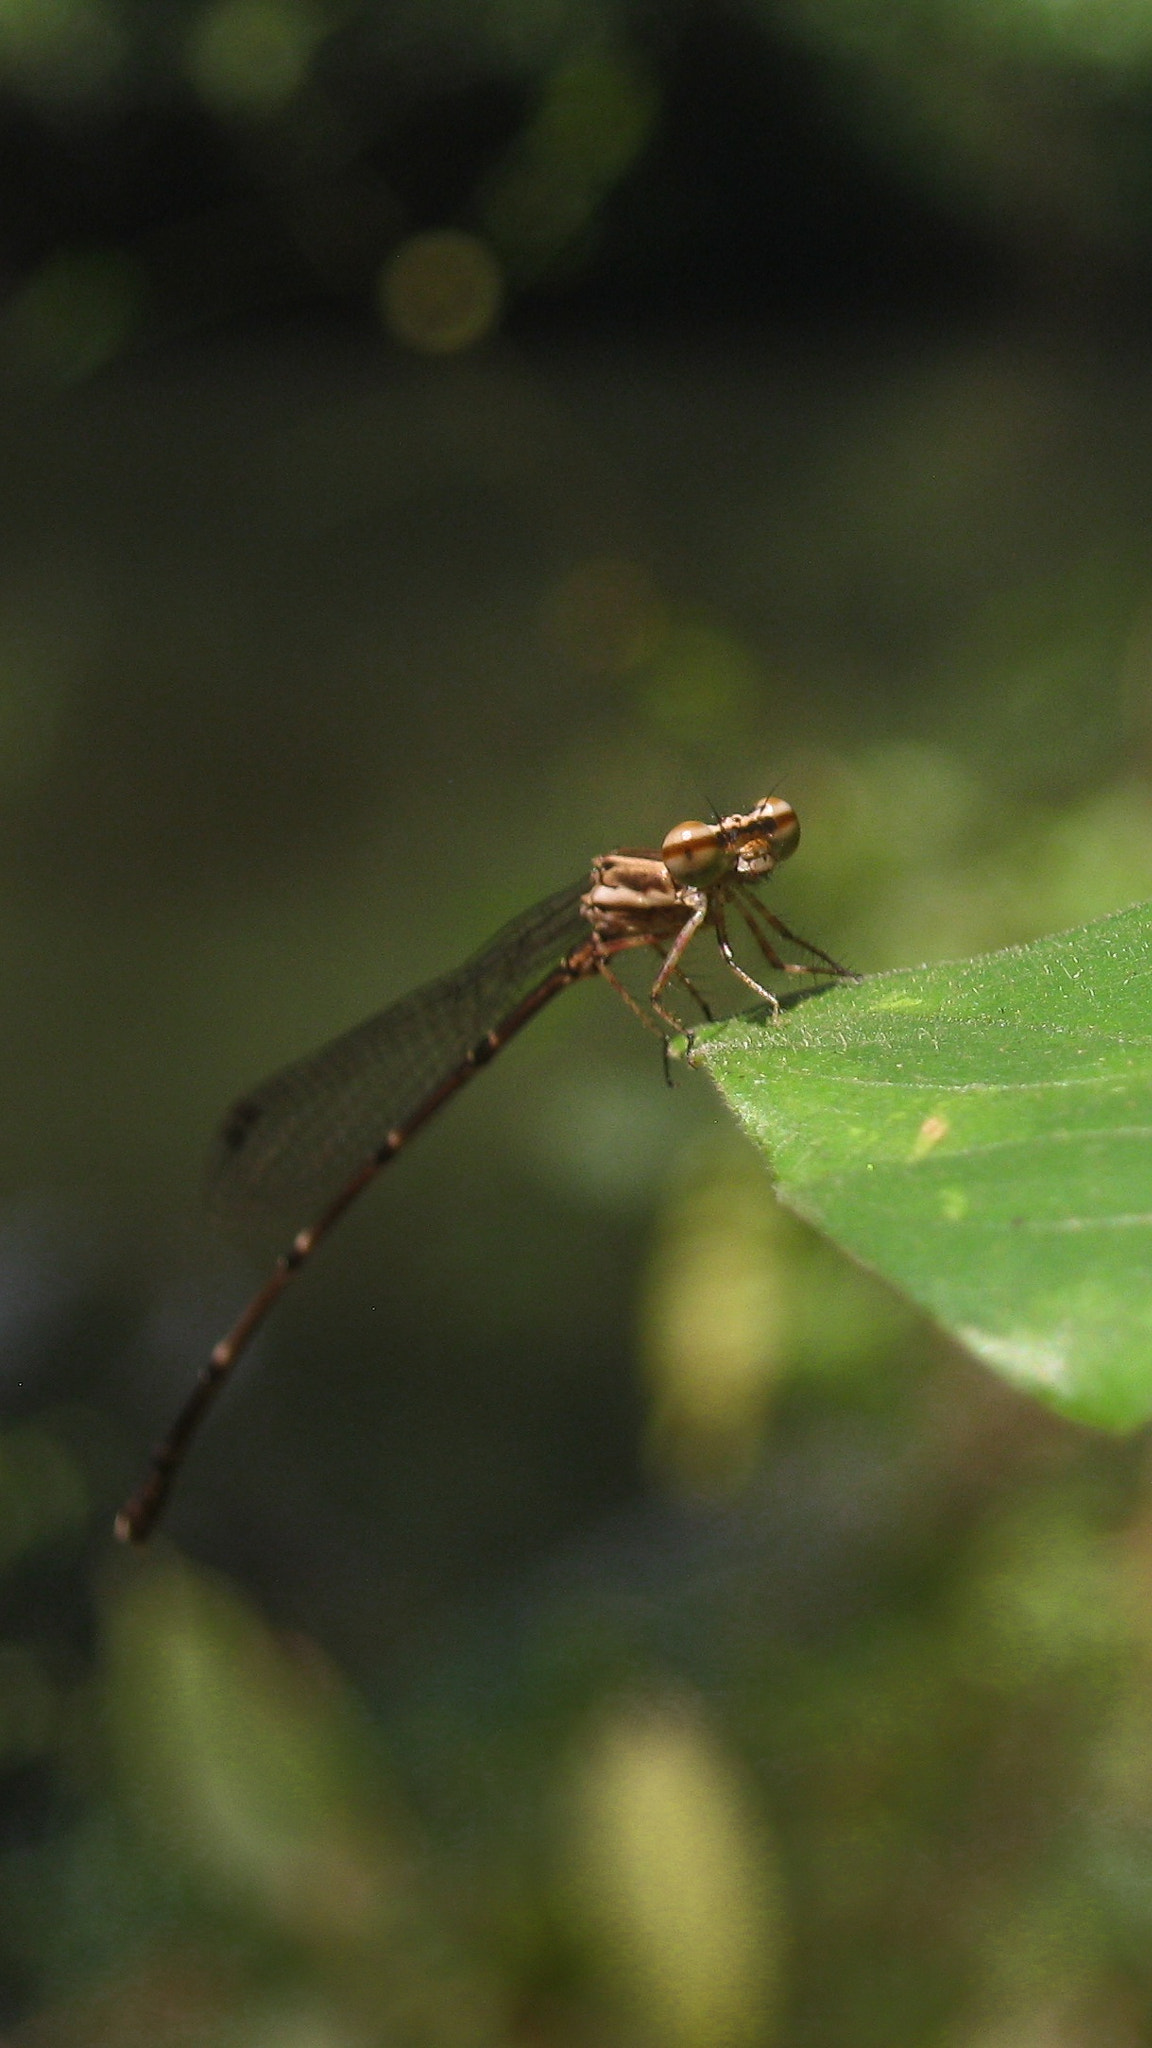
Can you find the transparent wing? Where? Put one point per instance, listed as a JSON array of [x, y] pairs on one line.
[[286, 1149]]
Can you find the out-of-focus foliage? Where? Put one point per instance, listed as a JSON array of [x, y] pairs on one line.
[[1033, 114], [231, 155], [442, 441], [433, 158], [898, 1768], [595, 115]]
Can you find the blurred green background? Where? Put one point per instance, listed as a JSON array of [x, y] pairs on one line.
[[441, 441]]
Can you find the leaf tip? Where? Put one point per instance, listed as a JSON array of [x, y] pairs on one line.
[[1028, 1359]]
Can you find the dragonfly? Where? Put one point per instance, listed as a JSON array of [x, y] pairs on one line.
[[309, 1140]]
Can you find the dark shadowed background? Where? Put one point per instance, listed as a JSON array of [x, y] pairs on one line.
[[440, 441]]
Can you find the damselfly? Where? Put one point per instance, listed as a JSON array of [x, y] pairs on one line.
[[313, 1136]]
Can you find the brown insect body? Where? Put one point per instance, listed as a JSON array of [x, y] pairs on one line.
[[642, 898], [318, 1132]]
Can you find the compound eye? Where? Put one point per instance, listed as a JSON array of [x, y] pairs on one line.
[[784, 827], [693, 852]]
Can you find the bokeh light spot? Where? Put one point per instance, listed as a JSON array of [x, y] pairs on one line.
[[252, 56], [62, 50], [674, 1876], [28, 1706], [713, 1326], [42, 1492], [441, 292], [72, 318], [703, 681], [606, 616], [595, 116]]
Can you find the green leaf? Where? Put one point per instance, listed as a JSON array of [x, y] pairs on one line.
[[981, 1135]]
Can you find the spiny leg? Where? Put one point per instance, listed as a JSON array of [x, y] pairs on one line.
[[682, 1030], [749, 903], [725, 946], [644, 1015], [627, 996], [773, 958], [695, 994], [672, 959]]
